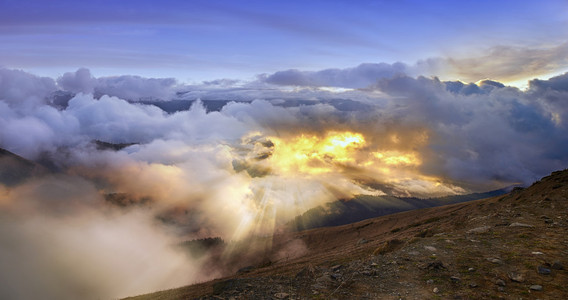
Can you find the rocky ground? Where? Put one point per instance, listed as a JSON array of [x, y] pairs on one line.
[[509, 247]]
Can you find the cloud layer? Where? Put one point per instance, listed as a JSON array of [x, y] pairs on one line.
[[247, 168], [503, 63]]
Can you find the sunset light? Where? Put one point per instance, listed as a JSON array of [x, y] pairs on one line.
[[148, 145]]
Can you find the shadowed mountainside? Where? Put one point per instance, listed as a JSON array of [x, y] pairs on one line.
[[364, 207], [15, 169]]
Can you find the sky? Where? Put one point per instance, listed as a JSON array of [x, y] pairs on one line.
[[194, 41], [237, 116]]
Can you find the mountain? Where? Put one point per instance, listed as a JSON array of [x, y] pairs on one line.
[[506, 247], [363, 207], [15, 169]]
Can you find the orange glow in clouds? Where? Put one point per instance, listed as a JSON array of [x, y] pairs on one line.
[[314, 155], [310, 154], [294, 174]]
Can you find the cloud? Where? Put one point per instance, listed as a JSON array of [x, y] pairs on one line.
[[61, 242], [502, 63], [80, 81], [21, 89], [133, 88], [357, 77], [495, 133], [404, 104], [507, 63], [136, 87], [249, 167]]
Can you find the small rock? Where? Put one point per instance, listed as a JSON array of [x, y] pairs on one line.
[[413, 253], [543, 270], [367, 272], [481, 229], [429, 281], [473, 285], [495, 260], [362, 241], [336, 268], [430, 248], [537, 253], [436, 290], [308, 271], [374, 264], [455, 279], [324, 279], [517, 224], [536, 287], [471, 270], [281, 295], [557, 265], [436, 265], [516, 277], [500, 282]]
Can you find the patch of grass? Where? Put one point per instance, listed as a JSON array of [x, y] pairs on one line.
[[433, 219], [529, 265], [428, 232], [388, 246], [413, 240]]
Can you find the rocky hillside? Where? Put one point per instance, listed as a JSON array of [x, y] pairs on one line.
[[507, 247]]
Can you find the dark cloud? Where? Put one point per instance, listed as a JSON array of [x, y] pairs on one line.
[[487, 131], [358, 77], [80, 81], [557, 83]]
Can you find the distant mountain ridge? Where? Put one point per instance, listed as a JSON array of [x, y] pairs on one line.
[[15, 169], [362, 207]]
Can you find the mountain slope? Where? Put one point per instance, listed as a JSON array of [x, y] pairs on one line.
[[364, 207], [511, 246], [15, 169]]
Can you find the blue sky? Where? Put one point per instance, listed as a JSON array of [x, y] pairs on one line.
[[203, 40]]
